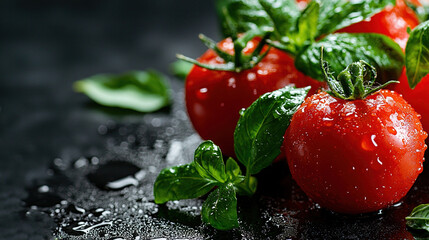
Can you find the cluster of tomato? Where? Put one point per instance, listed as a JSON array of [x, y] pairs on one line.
[[374, 145]]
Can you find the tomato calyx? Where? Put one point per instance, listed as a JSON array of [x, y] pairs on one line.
[[236, 62], [356, 81]]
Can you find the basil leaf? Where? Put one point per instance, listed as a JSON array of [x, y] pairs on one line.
[[138, 90], [417, 54], [209, 162], [181, 68], [343, 49], [337, 14], [238, 16], [419, 218], [260, 129], [247, 188], [181, 182], [283, 14], [307, 25], [220, 208], [232, 169], [292, 29]]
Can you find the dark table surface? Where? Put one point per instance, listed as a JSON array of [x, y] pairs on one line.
[[58, 150]]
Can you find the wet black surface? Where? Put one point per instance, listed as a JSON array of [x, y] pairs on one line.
[[70, 169]]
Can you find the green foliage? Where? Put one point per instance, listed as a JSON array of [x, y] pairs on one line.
[[138, 90]]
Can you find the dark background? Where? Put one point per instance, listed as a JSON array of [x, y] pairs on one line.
[[45, 128], [47, 45]]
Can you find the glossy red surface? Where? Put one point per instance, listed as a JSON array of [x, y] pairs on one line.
[[355, 156], [214, 98], [417, 97]]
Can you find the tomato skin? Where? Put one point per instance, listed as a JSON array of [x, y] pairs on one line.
[[214, 98], [392, 21], [355, 156], [417, 97]]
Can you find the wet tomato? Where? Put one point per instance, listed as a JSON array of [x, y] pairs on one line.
[[393, 22], [214, 98], [417, 97], [355, 156]]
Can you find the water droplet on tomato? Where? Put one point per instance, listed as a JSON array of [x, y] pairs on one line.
[[202, 94], [368, 143], [251, 76], [327, 121], [231, 83], [392, 130], [379, 161]]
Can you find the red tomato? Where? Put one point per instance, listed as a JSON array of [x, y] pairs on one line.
[[355, 156], [417, 97], [392, 22], [214, 98]]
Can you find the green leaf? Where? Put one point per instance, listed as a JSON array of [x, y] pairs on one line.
[[307, 25], [138, 90], [181, 182], [220, 208], [283, 14], [238, 16], [292, 29], [417, 54], [181, 68], [232, 169], [337, 14], [247, 188], [343, 49], [260, 129], [209, 162], [419, 218]]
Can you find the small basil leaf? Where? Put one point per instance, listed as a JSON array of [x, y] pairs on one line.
[[181, 68], [307, 25], [343, 49], [220, 208], [237, 16], [209, 162], [260, 129], [232, 169], [337, 14], [283, 14], [181, 182], [247, 188], [417, 54], [292, 29], [138, 90], [419, 218]]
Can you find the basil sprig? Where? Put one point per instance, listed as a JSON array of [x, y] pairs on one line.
[[417, 54], [138, 90], [299, 32], [258, 137], [419, 218], [284, 16]]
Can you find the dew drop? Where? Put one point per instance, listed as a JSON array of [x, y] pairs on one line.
[[392, 130], [368, 143]]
